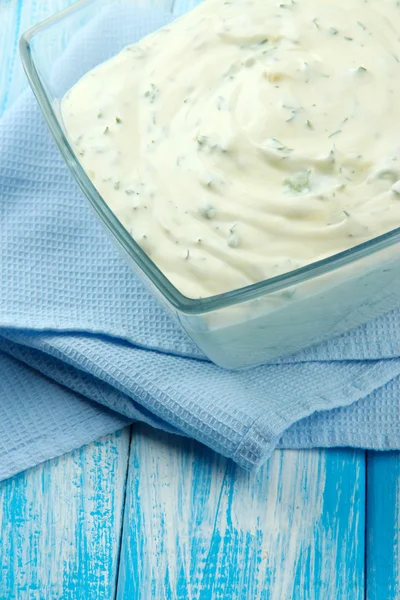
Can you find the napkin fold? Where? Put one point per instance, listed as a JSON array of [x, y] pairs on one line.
[[85, 349]]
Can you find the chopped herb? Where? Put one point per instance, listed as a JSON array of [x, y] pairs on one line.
[[292, 118], [387, 175], [315, 21], [118, 120], [361, 70], [346, 213], [309, 124], [333, 31], [107, 129], [264, 41], [299, 183], [201, 139], [233, 240], [208, 212], [152, 93], [187, 255], [349, 39], [116, 185], [396, 188], [279, 146], [100, 115], [361, 25], [129, 192], [220, 102], [334, 133]]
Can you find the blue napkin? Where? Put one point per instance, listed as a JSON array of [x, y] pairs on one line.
[[84, 348]]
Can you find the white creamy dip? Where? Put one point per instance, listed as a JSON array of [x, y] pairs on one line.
[[249, 137]]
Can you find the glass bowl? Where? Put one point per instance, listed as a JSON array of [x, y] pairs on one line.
[[247, 326]]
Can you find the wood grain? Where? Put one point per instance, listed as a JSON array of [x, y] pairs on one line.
[[195, 526], [60, 525], [383, 526], [198, 527], [16, 16]]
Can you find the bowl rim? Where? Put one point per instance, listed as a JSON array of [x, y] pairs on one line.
[[184, 304]]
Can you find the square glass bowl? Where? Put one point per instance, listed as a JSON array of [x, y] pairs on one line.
[[247, 326]]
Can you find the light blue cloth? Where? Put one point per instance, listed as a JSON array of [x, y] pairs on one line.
[[84, 349]]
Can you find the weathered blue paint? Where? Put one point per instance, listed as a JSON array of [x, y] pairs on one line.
[[198, 527], [195, 526], [60, 525], [383, 520]]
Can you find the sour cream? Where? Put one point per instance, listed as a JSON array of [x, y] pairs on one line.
[[249, 137]]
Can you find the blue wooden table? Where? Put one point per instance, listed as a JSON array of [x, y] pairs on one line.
[[142, 515]]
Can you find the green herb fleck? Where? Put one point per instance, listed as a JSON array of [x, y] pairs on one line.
[[152, 93], [396, 188], [335, 133], [118, 120], [208, 212], [349, 39], [233, 240], [107, 130], [299, 183], [333, 31], [387, 175], [292, 117], [361, 25], [220, 102], [309, 124]]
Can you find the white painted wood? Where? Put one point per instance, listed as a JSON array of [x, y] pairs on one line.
[[16, 16], [60, 525], [198, 527]]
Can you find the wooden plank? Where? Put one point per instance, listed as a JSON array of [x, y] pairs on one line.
[[60, 525], [383, 523], [15, 18], [198, 527]]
